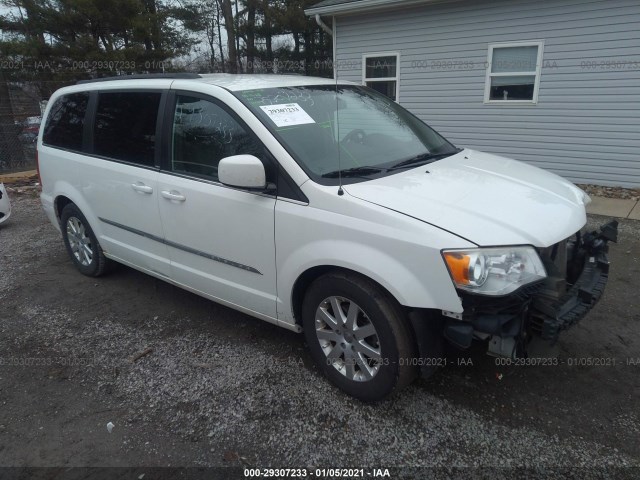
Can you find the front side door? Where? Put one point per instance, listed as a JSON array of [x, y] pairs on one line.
[[220, 239]]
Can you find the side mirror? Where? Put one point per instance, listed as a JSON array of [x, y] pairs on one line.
[[242, 171]]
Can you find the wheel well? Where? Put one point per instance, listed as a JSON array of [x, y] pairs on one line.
[[59, 204], [308, 277]]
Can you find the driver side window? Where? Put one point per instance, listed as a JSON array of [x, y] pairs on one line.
[[203, 134]]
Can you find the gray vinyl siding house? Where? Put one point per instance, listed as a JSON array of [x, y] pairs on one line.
[[555, 83]]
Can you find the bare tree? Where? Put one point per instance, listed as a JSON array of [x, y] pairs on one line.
[[210, 15], [220, 37], [251, 34], [229, 25], [11, 152]]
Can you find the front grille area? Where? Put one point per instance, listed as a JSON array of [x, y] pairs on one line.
[[512, 304], [577, 273], [536, 303]]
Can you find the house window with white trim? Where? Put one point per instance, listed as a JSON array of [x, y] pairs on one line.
[[513, 72], [381, 71]]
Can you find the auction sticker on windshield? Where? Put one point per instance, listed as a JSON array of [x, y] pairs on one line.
[[287, 114]]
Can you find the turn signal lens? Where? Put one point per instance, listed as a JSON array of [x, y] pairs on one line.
[[467, 268], [458, 264]]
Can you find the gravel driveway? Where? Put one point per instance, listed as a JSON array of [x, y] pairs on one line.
[[187, 382]]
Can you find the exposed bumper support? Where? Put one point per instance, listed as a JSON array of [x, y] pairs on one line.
[[549, 318]]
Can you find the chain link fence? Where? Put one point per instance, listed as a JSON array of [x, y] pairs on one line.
[[20, 118]]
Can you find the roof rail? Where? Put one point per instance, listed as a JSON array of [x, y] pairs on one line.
[[144, 76]]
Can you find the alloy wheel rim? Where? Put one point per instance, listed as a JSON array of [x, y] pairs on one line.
[[348, 339], [79, 241]]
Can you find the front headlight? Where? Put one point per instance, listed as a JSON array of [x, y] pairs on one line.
[[494, 271]]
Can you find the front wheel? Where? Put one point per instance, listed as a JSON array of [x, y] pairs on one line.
[[82, 244], [358, 336]]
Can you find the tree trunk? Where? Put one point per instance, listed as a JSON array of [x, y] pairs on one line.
[[251, 34], [267, 31], [269, 47], [227, 12], [296, 44], [308, 51], [154, 42], [209, 15], [237, 29], [11, 152], [224, 68]]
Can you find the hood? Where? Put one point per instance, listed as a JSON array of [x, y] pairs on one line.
[[484, 198]]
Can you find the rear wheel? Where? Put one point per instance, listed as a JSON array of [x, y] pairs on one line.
[[82, 244], [358, 336]]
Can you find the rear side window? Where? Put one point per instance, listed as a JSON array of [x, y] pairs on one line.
[[64, 126], [125, 126]]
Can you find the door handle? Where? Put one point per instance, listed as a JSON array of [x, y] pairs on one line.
[[173, 196], [141, 187]]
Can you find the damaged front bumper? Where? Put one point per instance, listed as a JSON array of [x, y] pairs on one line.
[[577, 270], [549, 315]]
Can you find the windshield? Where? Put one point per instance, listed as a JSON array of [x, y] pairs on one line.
[[357, 131]]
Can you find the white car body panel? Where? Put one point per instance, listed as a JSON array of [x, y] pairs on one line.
[[104, 192], [5, 204], [400, 253], [487, 199], [391, 229], [221, 241]]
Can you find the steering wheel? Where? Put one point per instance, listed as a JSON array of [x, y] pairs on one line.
[[355, 136]]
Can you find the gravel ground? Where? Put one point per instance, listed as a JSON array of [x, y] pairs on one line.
[[213, 387]]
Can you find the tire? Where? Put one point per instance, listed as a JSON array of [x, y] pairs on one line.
[[365, 353], [81, 243]]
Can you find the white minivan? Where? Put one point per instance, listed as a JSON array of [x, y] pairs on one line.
[[324, 208]]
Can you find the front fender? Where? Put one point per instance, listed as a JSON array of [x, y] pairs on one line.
[[400, 253], [432, 289]]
